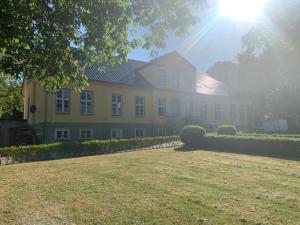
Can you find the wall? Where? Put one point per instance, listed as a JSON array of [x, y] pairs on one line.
[[5, 127]]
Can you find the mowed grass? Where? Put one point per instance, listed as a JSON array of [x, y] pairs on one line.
[[152, 187]]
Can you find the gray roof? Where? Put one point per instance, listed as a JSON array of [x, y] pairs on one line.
[[127, 73], [210, 86], [123, 73]]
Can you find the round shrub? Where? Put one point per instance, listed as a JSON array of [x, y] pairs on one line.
[[226, 130], [191, 135]]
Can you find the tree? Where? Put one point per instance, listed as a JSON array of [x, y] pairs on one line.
[[269, 66], [53, 40], [11, 104], [224, 71]]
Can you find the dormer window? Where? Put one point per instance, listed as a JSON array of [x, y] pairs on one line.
[[162, 80]]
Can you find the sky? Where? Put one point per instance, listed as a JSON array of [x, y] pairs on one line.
[[214, 39]]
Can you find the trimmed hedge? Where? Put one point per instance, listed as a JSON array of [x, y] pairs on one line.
[[281, 147], [226, 130], [192, 135], [87, 148]]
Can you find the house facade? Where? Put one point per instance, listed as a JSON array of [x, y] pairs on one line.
[[133, 99]]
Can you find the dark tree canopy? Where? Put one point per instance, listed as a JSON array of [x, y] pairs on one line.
[[37, 36], [224, 71], [11, 104], [269, 66]]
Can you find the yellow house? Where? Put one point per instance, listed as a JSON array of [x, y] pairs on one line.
[[133, 99]]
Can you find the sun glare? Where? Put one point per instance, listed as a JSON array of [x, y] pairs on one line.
[[242, 10]]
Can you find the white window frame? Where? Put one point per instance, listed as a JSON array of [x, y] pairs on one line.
[[119, 105], [242, 113], [189, 107], [233, 112], [162, 131], [85, 102], [175, 83], [203, 110], [162, 107], [139, 106], [218, 111], [85, 136], [139, 130], [63, 99], [62, 130], [162, 78], [119, 133]]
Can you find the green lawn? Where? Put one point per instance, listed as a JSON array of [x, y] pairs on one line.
[[152, 187]]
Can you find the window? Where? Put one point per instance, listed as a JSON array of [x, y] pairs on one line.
[[140, 132], [162, 131], [85, 134], [175, 109], [86, 102], [62, 134], [203, 111], [233, 112], [175, 81], [218, 111], [139, 106], [242, 113], [189, 107], [188, 81], [162, 78], [161, 107], [116, 105], [63, 101], [116, 133]]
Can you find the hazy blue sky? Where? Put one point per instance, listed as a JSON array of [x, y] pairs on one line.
[[211, 41]]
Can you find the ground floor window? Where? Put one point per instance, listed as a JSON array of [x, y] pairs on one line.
[[85, 134], [218, 111], [140, 132], [116, 133], [162, 131], [62, 134]]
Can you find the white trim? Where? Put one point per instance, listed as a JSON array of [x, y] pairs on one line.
[[140, 129], [62, 130], [86, 138], [162, 131], [63, 99], [86, 101], [139, 109], [162, 106], [119, 133], [119, 105]]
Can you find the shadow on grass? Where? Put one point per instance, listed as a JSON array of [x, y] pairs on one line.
[[189, 149]]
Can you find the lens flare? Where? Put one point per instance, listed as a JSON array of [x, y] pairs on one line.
[[242, 10]]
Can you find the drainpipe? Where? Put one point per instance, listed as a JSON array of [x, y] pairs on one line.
[[46, 115]]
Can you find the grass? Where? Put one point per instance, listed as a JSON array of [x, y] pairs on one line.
[[152, 187]]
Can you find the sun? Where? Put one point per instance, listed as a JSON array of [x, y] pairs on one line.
[[242, 10]]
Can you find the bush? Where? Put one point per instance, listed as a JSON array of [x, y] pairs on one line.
[[191, 135], [281, 147], [32, 153], [226, 130]]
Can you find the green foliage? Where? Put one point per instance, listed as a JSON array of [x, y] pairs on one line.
[[269, 65], [37, 37], [86, 148], [11, 103], [192, 135], [226, 130], [224, 71], [264, 145]]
